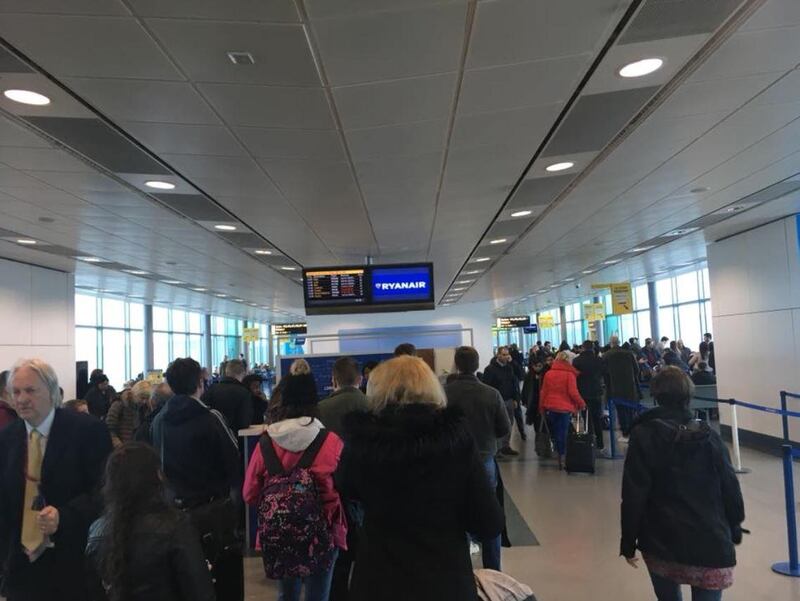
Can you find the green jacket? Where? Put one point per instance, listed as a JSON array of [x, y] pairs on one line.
[[345, 400]]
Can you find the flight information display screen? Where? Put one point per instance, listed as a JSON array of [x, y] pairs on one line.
[[370, 288]]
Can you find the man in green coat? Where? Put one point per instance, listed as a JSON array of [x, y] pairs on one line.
[[623, 382]]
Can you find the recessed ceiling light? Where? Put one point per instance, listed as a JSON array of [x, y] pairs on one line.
[[588, 271], [559, 166], [221, 295], [542, 291], [159, 185], [640, 68], [263, 251], [459, 289], [91, 259], [482, 259], [173, 282], [498, 241], [569, 279], [473, 272], [225, 228], [521, 213], [135, 271], [641, 249], [735, 209], [465, 281], [238, 300], [611, 262], [289, 268], [680, 232], [200, 289], [27, 97], [27, 241]]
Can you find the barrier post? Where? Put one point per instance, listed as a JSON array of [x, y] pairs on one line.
[[792, 567], [737, 452], [784, 418], [612, 435]]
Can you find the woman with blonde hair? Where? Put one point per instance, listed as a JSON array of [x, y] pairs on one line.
[[413, 465], [559, 399], [126, 414], [299, 366]]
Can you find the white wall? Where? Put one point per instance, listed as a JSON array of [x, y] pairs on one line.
[[477, 316], [37, 319], [755, 292]]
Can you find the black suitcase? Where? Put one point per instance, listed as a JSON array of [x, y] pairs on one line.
[[580, 449]]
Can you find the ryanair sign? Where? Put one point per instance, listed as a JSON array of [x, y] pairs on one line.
[[399, 284]]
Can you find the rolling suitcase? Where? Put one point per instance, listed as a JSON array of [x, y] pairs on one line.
[[580, 448]]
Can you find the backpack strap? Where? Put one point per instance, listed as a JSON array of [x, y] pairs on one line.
[[271, 460], [310, 454]]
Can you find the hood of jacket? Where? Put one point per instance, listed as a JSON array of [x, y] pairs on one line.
[[406, 434], [666, 421], [182, 408], [563, 366], [295, 434]]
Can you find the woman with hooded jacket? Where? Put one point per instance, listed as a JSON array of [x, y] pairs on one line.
[[681, 502], [558, 400]]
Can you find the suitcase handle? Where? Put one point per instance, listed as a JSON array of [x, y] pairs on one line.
[[578, 414]]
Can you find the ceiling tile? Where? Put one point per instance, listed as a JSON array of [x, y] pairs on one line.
[[291, 143], [391, 45], [539, 192], [12, 134], [714, 96], [77, 182], [312, 180], [149, 101], [264, 106], [324, 9], [47, 159], [230, 168], [397, 140], [281, 52], [245, 10], [184, 139], [514, 31], [73, 7], [519, 127], [393, 102], [68, 46], [774, 13], [677, 18]]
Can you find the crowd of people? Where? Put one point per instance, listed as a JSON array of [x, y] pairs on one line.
[[358, 496]]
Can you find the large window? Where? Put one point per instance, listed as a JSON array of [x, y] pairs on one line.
[[684, 307], [637, 324], [177, 333], [226, 339], [109, 334], [576, 332], [259, 351], [552, 334]]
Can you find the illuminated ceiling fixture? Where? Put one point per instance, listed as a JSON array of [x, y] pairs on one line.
[[569, 279], [588, 271], [482, 259], [465, 281], [135, 271], [521, 213], [200, 289], [641, 249], [680, 232], [26, 241], [263, 251], [173, 282], [27, 97], [221, 295], [91, 259], [498, 241], [289, 268], [640, 68], [559, 166], [159, 185], [473, 272], [225, 228], [611, 262], [238, 300]]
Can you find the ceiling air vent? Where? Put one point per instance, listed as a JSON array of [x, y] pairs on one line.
[[241, 58]]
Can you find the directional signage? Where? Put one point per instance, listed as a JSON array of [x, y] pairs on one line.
[[622, 298], [289, 329], [594, 312], [546, 320], [516, 321], [250, 335]]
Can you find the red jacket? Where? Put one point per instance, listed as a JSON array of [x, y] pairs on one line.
[[560, 390]]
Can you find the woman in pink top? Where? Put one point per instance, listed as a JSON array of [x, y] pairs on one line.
[[293, 430]]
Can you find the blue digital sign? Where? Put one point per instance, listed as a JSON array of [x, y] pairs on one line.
[[401, 284]]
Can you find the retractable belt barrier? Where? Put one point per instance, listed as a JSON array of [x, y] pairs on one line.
[[792, 567]]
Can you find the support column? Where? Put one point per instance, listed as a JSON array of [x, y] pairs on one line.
[[562, 311], [207, 342], [148, 338], [653, 299]]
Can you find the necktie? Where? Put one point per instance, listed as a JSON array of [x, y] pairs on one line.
[[32, 537]]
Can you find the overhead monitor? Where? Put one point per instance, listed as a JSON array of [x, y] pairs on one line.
[[289, 329], [368, 289], [514, 321]]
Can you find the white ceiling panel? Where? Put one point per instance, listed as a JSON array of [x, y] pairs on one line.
[[774, 13], [397, 140], [148, 101], [265, 106], [46, 159], [292, 143], [389, 45], [323, 9], [531, 83], [56, 7], [394, 102], [310, 179], [280, 52], [516, 128], [14, 135], [43, 38], [173, 138], [514, 31], [229, 168], [77, 182], [243, 10]]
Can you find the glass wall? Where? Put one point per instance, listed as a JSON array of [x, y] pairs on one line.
[[637, 324], [226, 339], [684, 307], [177, 333], [553, 334], [259, 351], [576, 333], [109, 334]]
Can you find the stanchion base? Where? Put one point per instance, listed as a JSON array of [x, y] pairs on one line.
[[744, 470], [785, 569]]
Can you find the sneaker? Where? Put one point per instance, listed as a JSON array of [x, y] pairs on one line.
[[474, 548], [623, 439], [509, 451]]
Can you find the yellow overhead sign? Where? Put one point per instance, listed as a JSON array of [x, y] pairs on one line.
[[250, 335], [546, 320], [594, 312], [622, 298]]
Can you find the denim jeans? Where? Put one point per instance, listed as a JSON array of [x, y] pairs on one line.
[[559, 425], [490, 548], [667, 590], [318, 586]]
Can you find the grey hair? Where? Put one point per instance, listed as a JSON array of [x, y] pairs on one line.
[[46, 374]]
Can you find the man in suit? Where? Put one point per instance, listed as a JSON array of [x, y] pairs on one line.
[[51, 462]]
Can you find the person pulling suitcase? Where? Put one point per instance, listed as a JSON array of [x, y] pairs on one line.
[[581, 447]]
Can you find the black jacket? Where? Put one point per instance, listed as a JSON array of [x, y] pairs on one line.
[[199, 452], [681, 501], [484, 410], [504, 378], [99, 401], [417, 474], [704, 378], [622, 375], [165, 561], [74, 460], [144, 433], [233, 400], [592, 371]]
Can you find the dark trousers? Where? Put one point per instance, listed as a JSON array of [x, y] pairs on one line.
[[596, 420], [625, 416], [520, 421], [340, 587], [228, 575], [559, 422]]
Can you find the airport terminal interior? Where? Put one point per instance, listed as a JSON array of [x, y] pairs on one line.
[[269, 180]]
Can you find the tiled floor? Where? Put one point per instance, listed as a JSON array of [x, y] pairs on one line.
[[576, 519]]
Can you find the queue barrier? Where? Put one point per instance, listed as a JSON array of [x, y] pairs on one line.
[[787, 568]]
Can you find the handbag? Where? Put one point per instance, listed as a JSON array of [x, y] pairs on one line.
[[496, 586], [544, 442]]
